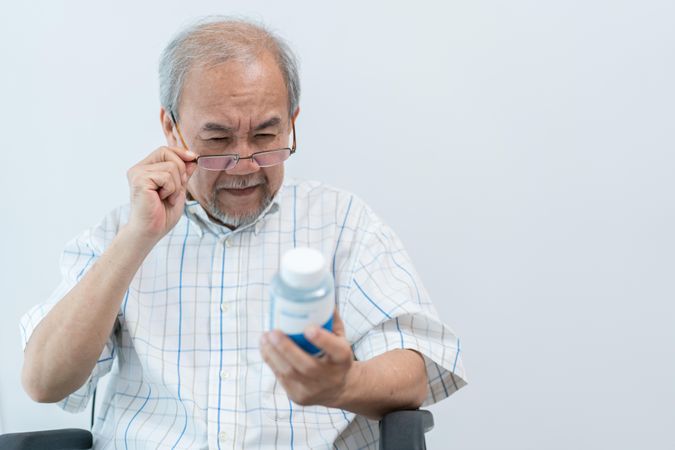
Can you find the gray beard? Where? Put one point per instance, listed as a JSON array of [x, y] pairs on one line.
[[237, 220]]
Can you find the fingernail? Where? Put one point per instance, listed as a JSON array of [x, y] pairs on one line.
[[274, 338], [190, 154], [312, 331]]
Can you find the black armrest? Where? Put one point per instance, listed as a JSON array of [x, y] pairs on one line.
[[404, 430], [66, 439]]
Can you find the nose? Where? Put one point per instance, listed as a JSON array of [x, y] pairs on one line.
[[244, 166]]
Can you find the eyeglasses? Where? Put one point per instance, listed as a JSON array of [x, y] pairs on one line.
[[266, 158]]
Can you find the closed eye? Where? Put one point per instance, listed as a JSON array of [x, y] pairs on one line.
[[265, 135]]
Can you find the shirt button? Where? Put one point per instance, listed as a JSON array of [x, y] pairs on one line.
[[222, 436], [223, 307], [228, 242], [224, 374]]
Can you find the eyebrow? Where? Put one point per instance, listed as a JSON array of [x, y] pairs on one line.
[[268, 123], [212, 126]]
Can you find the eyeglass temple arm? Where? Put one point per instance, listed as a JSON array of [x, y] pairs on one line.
[[180, 135], [293, 128]]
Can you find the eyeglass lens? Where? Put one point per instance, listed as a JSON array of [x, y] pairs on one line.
[[262, 159]]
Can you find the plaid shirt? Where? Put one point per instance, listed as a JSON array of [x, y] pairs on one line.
[[186, 366]]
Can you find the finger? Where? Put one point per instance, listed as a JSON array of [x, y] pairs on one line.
[[162, 182], [276, 361], [167, 153], [169, 187], [336, 347], [174, 166], [171, 157], [300, 360], [185, 154], [170, 167], [175, 198], [180, 165], [164, 194]]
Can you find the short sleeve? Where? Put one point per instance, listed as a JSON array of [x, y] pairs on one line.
[[388, 308], [78, 256]]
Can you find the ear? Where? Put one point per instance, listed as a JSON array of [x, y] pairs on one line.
[[295, 114], [168, 128]]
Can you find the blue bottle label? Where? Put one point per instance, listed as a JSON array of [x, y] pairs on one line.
[[292, 317], [307, 346]]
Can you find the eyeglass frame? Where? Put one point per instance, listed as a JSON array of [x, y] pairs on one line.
[[236, 155]]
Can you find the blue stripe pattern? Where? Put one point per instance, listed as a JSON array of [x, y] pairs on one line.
[[180, 329], [126, 431], [189, 373], [220, 336]]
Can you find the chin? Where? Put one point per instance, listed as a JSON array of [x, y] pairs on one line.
[[237, 216], [239, 210]]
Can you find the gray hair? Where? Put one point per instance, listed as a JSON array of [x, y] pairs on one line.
[[214, 40]]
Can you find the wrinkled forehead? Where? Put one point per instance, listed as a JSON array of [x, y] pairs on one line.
[[236, 92]]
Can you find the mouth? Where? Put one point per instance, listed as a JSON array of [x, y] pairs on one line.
[[241, 192]]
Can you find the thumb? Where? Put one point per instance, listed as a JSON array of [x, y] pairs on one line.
[[190, 168], [338, 324]]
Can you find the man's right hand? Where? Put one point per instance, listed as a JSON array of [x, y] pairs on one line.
[[64, 348], [157, 185]]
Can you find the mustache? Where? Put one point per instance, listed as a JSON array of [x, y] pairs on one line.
[[241, 182]]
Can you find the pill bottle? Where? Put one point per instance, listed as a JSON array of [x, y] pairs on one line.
[[302, 293]]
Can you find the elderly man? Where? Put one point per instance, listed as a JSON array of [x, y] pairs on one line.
[[171, 292]]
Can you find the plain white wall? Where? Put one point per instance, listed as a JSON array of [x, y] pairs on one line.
[[523, 150]]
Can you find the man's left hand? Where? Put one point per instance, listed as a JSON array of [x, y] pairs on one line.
[[310, 380]]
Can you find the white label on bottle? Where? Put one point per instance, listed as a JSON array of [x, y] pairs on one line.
[[293, 317]]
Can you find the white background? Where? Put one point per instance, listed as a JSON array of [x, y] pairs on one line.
[[523, 151]]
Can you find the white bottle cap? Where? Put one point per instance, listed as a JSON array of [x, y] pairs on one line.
[[303, 268]]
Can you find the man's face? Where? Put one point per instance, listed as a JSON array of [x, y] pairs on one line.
[[234, 108]]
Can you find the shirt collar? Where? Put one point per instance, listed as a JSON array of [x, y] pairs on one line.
[[195, 212]]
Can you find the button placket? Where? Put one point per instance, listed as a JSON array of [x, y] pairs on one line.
[[229, 356], [222, 437], [221, 379], [214, 375]]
